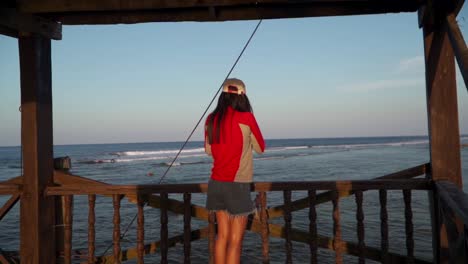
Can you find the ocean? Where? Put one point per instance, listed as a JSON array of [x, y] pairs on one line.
[[284, 160]]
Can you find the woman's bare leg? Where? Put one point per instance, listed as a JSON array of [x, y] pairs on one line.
[[236, 235], [222, 218]]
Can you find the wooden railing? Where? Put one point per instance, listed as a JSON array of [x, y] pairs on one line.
[[258, 224], [318, 192]]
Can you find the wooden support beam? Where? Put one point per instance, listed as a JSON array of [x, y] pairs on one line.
[[12, 23], [37, 213], [427, 17], [459, 46], [442, 111], [47, 6], [8, 205], [222, 14], [140, 11]]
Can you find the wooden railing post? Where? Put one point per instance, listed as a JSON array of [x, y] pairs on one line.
[[360, 226], [140, 230], [116, 233], [62, 212], [265, 231], [91, 228], [383, 225], [409, 225], [337, 243], [211, 235], [312, 226], [164, 230], [287, 225], [37, 229], [187, 227], [67, 223]]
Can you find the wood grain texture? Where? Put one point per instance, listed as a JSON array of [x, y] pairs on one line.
[[37, 211]]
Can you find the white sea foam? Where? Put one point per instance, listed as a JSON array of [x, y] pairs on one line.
[[298, 147], [270, 158], [275, 149], [156, 152], [393, 144]]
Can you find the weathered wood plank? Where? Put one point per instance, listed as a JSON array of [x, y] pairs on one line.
[[8, 205], [14, 22], [37, 212]]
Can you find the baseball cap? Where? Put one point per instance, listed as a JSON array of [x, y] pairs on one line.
[[234, 86]]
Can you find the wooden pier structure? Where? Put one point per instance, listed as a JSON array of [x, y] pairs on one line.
[[46, 195]]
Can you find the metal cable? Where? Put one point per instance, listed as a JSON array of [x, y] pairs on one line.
[[211, 102], [197, 124]]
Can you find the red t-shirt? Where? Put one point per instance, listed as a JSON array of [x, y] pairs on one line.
[[232, 156]]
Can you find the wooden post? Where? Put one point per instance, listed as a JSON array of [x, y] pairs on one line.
[[442, 111], [211, 235], [37, 210], [64, 165]]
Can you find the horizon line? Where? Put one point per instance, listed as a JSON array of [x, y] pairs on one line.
[[180, 141]]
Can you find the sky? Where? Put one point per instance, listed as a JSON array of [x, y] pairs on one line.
[[347, 76]]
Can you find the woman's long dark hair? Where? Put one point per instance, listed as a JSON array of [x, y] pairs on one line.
[[237, 102]]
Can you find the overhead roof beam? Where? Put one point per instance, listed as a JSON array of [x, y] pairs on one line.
[[12, 23], [48, 6], [236, 12]]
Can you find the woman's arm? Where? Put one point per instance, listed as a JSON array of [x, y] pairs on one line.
[[256, 137]]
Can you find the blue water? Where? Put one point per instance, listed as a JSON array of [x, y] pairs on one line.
[[284, 160]]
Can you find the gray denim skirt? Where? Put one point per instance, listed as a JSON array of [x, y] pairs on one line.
[[233, 197]]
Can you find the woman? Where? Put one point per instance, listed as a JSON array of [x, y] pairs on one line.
[[231, 132]]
